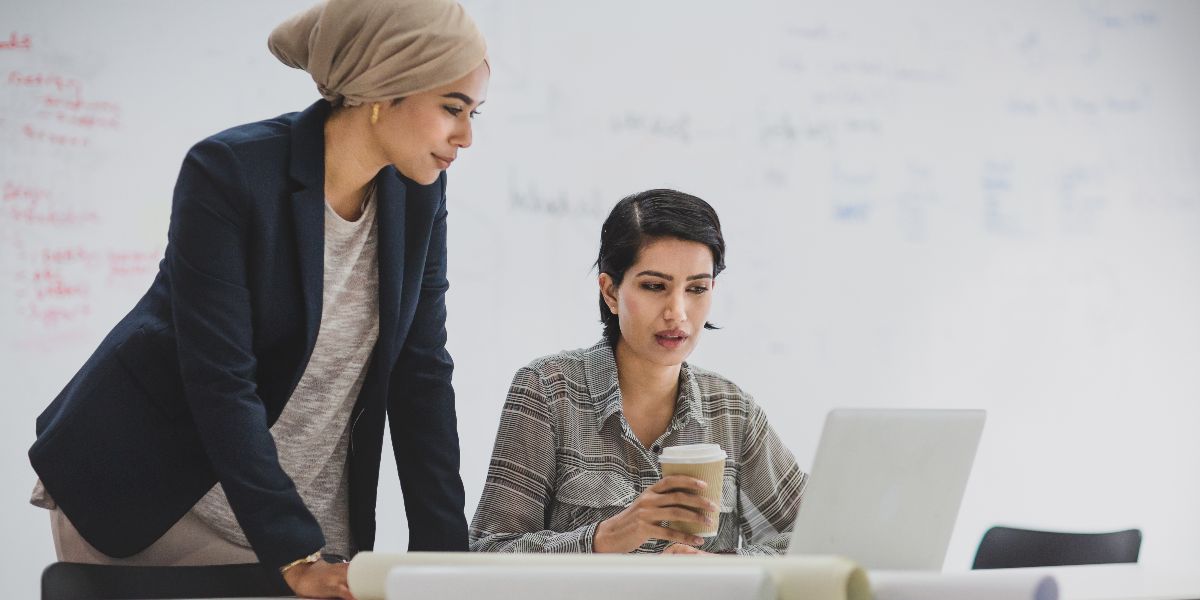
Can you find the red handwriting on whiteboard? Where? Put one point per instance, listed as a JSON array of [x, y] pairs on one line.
[[50, 284], [74, 110], [56, 139], [58, 82], [79, 120], [14, 192], [16, 41], [59, 275], [70, 254], [30, 215], [33, 206], [76, 103], [132, 268], [65, 104], [52, 316]]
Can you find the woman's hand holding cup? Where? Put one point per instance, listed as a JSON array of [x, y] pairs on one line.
[[673, 498]]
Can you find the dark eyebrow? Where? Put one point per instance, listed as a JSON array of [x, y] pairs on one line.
[[670, 278], [459, 96]]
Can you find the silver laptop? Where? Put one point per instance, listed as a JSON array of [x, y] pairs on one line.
[[886, 485]]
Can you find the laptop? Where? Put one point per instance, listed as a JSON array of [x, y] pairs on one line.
[[886, 485]]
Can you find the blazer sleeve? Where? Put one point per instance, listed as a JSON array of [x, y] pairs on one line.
[[424, 426], [206, 255]]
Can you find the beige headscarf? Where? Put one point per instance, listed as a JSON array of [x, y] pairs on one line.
[[363, 51]]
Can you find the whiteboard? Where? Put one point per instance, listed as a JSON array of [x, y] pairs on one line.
[[932, 204]]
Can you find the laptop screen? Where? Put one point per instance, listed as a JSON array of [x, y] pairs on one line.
[[886, 485]]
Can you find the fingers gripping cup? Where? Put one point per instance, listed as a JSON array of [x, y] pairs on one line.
[[702, 461]]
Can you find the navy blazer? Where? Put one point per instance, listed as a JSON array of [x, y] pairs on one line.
[[181, 393]]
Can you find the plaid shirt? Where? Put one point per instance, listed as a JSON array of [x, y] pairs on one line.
[[566, 459]]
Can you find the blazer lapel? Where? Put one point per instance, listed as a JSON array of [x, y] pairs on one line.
[[308, 211], [392, 198]]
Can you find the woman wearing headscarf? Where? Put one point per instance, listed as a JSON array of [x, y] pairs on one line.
[[236, 413]]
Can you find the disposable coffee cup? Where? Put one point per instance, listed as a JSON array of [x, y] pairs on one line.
[[702, 461]]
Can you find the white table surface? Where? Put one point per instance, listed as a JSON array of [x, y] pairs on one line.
[[1084, 582]]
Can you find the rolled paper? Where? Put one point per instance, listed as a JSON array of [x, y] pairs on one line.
[[794, 577], [580, 582], [990, 584]]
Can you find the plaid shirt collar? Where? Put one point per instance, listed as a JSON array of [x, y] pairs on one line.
[[600, 368]]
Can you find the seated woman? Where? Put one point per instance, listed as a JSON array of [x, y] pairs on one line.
[[575, 466]]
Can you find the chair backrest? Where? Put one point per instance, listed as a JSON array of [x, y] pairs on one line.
[[1008, 547], [75, 581]]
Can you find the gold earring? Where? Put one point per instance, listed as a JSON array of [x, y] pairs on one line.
[[375, 113]]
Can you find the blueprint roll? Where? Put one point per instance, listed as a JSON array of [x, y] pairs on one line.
[[992, 584], [794, 577], [580, 582]]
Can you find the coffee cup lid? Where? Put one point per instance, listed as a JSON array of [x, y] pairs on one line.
[[692, 453]]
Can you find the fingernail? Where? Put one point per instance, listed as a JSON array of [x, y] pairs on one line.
[[703, 483], [697, 540]]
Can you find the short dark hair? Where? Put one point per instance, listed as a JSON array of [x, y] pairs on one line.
[[641, 218]]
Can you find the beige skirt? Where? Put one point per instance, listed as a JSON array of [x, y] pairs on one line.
[[189, 542]]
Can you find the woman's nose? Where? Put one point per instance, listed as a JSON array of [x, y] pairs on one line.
[[676, 309], [463, 136]]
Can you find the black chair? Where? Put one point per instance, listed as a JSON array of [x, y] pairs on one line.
[[75, 581], [1008, 547]]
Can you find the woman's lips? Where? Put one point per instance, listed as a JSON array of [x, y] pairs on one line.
[[670, 339], [443, 162]]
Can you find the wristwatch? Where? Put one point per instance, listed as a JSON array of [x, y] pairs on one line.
[[307, 560]]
